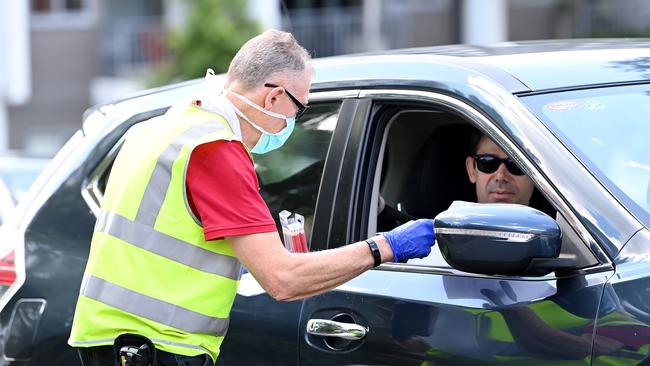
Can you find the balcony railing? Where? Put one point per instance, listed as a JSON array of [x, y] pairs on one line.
[[340, 30], [133, 45], [620, 18]]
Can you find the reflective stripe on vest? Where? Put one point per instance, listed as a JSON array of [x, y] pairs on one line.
[[150, 308], [141, 233], [154, 194], [147, 238]]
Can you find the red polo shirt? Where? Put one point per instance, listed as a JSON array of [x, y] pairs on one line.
[[223, 191]]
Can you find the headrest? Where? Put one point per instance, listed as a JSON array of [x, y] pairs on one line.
[[438, 175]]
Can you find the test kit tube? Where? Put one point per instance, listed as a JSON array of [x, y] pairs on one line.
[[293, 231]]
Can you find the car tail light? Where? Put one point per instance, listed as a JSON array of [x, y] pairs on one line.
[[8, 269]]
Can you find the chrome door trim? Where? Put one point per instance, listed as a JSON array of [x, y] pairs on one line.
[[450, 271], [91, 192]]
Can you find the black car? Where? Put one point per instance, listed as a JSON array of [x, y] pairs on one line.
[[385, 141]]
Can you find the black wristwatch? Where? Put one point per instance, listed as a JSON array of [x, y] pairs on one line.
[[374, 249]]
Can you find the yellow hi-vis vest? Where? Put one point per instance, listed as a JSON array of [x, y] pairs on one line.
[[150, 270]]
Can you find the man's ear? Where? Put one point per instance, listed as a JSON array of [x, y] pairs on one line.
[[471, 169], [272, 97]]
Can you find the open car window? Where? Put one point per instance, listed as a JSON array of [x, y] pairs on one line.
[[421, 171]]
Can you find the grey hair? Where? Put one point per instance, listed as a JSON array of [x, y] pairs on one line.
[[266, 55]]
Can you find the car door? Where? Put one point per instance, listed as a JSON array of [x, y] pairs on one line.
[[262, 330], [427, 313]]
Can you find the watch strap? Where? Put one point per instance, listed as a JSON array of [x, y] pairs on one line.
[[374, 249]]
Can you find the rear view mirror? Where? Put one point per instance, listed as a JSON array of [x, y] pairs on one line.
[[500, 239]]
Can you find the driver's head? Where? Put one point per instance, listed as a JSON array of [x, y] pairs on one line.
[[497, 178]]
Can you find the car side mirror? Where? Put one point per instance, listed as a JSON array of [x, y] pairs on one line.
[[500, 239]]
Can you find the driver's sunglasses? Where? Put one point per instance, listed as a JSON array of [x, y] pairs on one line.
[[300, 108], [489, 164]]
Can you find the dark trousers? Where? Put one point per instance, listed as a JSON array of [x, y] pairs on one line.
[[103, 356]]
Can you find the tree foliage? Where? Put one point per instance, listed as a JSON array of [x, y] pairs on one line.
[[212, 33]]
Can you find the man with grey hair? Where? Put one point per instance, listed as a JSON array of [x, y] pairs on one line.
[[182, 213]]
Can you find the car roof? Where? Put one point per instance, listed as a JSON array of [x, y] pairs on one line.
[[517, 66]]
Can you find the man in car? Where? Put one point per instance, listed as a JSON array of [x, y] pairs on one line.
[[497, 177], [182, 212]]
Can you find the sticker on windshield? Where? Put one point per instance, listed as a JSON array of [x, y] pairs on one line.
[[593, 105], [566, 105]]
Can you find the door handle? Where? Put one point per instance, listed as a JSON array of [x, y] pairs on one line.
[[330, 328]]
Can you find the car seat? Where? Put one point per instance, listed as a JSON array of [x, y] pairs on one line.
[[438, 176]]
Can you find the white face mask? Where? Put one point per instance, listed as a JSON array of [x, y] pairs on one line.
[[268, 141]]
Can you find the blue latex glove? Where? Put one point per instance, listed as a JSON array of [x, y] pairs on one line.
[[411, 240]]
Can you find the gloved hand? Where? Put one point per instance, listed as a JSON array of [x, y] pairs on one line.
[[411, 240]]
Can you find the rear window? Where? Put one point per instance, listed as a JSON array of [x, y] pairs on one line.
[[290, 176]]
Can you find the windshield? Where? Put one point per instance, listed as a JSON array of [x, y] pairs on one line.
[[608, 129]]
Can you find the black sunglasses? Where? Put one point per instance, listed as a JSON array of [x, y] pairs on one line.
[[489, 164], [301, 108]]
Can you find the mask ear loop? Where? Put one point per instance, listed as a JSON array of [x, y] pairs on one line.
[[242, 115], [256, 106]]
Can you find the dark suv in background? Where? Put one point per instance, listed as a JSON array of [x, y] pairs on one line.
[[385, 141]]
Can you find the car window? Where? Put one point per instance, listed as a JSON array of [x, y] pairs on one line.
[[423, 171], [290, 176]]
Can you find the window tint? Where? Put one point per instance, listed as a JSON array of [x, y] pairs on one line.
[[290, 176]]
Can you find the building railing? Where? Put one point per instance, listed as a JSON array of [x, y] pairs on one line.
[[327, 31], [623, 18], [134, 45], [340, 30]]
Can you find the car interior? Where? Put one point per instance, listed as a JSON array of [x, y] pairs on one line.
[[424, 164], [421, 171]]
